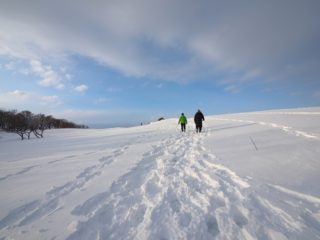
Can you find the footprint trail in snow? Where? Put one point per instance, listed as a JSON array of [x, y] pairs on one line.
[[177, 192]]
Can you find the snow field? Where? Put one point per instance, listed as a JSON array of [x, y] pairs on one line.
[[153, 182]]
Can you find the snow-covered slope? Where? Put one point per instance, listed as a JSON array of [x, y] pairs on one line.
[[247, 176]]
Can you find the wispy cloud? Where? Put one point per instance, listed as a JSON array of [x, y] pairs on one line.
[[20, 94], [24, 100], [232, 89], [49, 78]]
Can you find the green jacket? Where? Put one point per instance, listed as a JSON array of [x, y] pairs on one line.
[[182, 120]]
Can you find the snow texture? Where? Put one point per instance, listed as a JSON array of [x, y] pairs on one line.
[[247, 176]]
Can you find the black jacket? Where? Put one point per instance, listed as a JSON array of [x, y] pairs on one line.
[[198, 118]]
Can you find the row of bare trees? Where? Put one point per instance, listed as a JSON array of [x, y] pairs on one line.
[[24, 123]]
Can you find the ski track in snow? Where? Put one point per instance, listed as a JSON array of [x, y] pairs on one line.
[[177, 192]]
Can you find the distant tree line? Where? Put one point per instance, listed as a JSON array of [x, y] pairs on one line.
[[24, 123]]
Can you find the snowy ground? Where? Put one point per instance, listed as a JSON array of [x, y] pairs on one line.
[[247, 176]]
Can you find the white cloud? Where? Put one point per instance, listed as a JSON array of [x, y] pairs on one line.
[[81, 88], [177, 40], [24, 100], [49, 78], [21, 95]]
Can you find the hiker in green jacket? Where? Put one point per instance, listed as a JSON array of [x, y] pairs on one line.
[[183, 121]]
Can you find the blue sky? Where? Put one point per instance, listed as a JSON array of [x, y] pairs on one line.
[[118, 63]]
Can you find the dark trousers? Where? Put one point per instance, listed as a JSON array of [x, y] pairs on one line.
[[198, 127], [183, 127]]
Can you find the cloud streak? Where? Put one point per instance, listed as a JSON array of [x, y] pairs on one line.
[[169, 40]]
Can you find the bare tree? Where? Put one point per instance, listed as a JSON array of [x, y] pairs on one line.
[[2, 119], [24, 123], [29, 122], [17, 124], [41, 122]]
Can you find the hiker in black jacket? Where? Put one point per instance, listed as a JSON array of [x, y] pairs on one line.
[[198, 118]]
